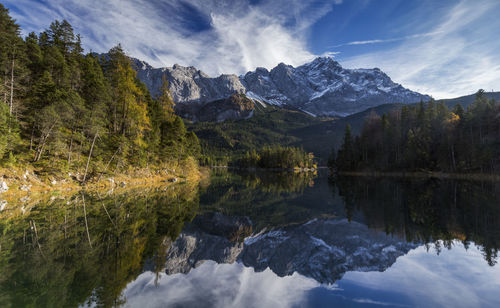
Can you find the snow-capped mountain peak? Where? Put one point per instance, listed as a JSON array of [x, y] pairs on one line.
[[321, 87]]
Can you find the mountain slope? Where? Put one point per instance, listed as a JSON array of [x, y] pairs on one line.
[[469, 99]]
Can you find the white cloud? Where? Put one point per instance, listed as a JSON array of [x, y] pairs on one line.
[[460, 57], [241, 37]]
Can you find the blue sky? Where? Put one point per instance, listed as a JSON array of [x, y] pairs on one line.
[[444, 48]]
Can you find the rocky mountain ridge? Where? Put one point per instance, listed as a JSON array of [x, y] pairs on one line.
[[320, 88]]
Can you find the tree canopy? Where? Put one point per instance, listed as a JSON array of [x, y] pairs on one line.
[[61, 108]]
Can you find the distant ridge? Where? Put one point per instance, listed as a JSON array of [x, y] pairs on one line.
[[469, 99]]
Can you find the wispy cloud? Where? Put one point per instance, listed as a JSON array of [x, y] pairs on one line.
[[460, 57], [453, 53], [378, 41], [238, 37]]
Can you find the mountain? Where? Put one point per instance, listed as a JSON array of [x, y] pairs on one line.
[[322, 87], [188, 84], [319, 88]]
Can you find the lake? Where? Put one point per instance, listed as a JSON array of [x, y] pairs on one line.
[[258, 239]]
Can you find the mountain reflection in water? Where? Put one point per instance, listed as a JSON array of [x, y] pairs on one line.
[[259, 240]]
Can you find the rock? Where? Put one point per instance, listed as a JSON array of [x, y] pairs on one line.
[[321, 87], [3, 203], [173, 180], [25, 188], [3, 187], [111, 181], [25, 199], [324, 87], [78, 177], [123, 184], [53, 182], [187, 84]]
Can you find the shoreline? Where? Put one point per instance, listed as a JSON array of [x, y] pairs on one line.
[[429, 175], [26, 185], [295, 170]]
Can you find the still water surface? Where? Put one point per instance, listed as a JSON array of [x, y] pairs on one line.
[[258, 240]]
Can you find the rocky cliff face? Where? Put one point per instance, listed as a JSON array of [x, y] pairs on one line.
[[188, 84], [321, 88], [320, 249]]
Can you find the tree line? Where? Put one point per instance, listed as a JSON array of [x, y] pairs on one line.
[[63, 110], [426, 137], [277, 156]]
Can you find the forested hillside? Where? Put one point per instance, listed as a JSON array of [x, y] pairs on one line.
[[65, 111], [426, 137]]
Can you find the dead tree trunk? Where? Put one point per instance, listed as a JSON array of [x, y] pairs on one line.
[[32, 135], [70, 147], [4, 88], [107, 165], [11, 102], [90, 155], [453, 157], [41, 145], [86, 224]]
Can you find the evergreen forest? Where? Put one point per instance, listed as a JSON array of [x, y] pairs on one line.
[[65, 111], [426, 137]]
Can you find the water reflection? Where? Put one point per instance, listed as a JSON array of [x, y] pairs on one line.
[[457, 278], [271, 199], [428, 210], [258, 240], [323, 249], [86, 248]]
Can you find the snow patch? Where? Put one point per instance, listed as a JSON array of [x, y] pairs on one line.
[[278, 234], [256, 98], [309, 113]]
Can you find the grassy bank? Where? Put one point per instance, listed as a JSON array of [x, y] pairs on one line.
[[25, 183]]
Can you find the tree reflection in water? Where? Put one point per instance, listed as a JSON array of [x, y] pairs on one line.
[[85, 249], [430, 211], [49, 258]]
